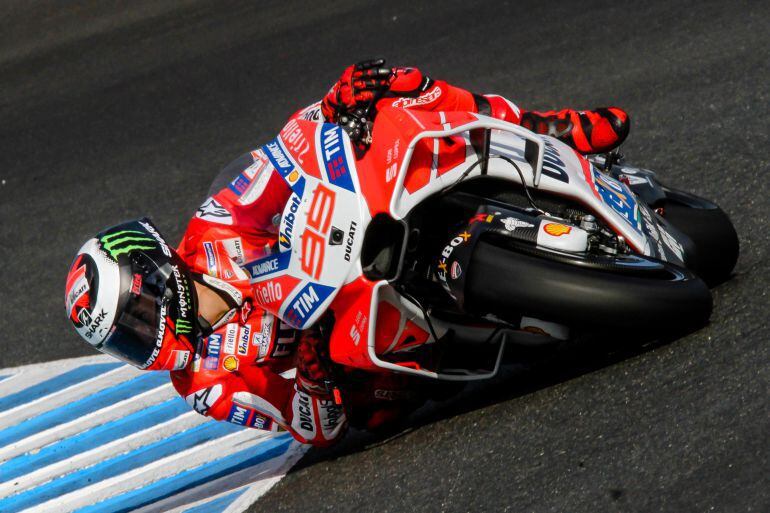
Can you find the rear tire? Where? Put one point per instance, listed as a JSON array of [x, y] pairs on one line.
[[711, 231], [507, 283]]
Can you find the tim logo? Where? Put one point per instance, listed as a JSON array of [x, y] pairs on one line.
[[213, 350], [238, 415], [335, 160], [306, 302]]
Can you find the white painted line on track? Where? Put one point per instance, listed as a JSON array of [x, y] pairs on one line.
[[147, 474], [94, 456], [62, 397], [96, 418], [119, 436], [253, 482], [28, 375]]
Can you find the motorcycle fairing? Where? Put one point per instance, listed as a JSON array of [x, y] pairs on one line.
[[363, 308], [429, 151], [321, 228], [413, 156]]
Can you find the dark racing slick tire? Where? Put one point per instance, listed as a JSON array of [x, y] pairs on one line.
[[632, 293], [711, 231]]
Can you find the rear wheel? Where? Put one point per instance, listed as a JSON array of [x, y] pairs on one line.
[[709, 228], [629, 292]]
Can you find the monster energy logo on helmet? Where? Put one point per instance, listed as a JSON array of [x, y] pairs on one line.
[[125, 241]]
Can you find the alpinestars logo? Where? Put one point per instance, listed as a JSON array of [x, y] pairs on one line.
[[202, 400], [213, 211], [429, 97], [125, 241]]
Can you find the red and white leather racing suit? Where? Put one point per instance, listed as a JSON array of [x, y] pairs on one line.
[[241, 372]]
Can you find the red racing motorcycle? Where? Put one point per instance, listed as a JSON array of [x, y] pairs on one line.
[[455, 229]]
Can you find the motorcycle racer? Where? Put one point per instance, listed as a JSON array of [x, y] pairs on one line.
[[193, 310]]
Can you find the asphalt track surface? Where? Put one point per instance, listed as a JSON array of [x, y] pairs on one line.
[[112, 110]]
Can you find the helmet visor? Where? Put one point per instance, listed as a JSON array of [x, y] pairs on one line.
[[138, 333]]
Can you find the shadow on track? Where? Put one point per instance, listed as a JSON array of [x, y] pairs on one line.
[[524, 371]]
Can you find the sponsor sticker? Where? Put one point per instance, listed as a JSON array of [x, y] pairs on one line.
[[455, 271], [553, 165], [331, 417], [230, 363], [295, 140], [334, 158], [303, 415], [261, 422], [213, 351], [180, 359], [424, 99], [240, 184], [263, 335], [234, 249], [125, 241], [391, 172], [262, 340], [268, 265], [136, 285], [449, 249], [287, 223], [556, 229], [230, 335], [243, 340], [96, 324], [267, 292], [213, 211], [618, 197], [211, 258], [238, 415], [278, 157], [202, 400], [245, 416], [482, 218], [306, 302], [78, 289], [511, 223]]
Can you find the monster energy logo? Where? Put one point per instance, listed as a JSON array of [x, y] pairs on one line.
[[124, 241], [183, 326]]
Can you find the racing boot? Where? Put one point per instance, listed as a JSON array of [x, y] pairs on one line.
[[588, 131]]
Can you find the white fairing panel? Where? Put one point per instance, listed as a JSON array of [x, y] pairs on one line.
[[567, 174], [562, 172]]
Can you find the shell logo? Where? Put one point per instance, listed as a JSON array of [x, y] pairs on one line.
[[230, 363], [293, 176], [556, 229]]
